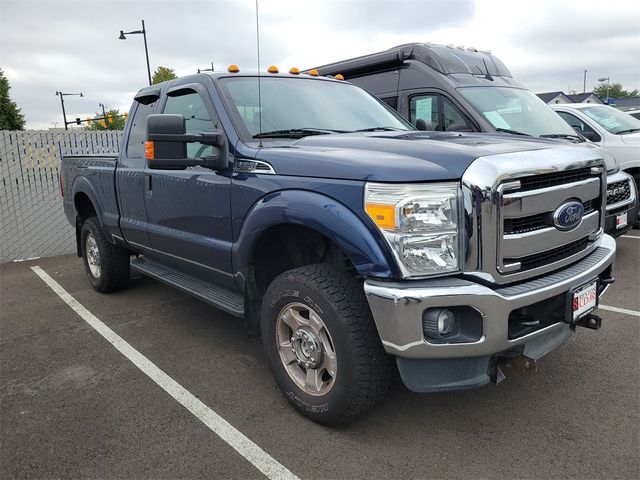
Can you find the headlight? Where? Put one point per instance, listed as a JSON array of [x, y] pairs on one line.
[[420, 223]]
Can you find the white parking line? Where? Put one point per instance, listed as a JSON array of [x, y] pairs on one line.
[[269, 466], [619, 310], [629, 236]]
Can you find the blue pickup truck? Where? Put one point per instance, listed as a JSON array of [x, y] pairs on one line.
[[352, 243]]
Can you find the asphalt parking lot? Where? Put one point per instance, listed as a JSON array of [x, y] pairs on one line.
[[73, 406]]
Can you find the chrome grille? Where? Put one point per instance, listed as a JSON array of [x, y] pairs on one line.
[[509, 202], [528, 238], [618, 192]]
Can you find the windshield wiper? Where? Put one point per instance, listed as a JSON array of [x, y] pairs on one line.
[[562, 135], [378, 129], [514, 132], [629, 130], [296, 132]]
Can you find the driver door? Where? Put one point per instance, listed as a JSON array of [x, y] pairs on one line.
[[189, 209]]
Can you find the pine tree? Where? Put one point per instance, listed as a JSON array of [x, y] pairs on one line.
[[10, 116]]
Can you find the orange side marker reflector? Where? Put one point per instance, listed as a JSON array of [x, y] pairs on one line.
[[233, 68], [383, 215], [313, 73], [294, 71], [149, 151], [339, 77], [272, 69]]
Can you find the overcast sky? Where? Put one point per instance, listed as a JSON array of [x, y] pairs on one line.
[[73, 46]]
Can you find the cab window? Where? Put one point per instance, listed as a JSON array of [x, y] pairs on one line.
[[442, 114], [578, 124], [197, 119], [138, 131]]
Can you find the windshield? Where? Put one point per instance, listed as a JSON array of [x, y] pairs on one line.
[[516, 109], [611, 119], [294, 107]]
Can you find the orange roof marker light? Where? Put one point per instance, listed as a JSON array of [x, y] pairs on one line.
[[233, 68], [272, 69], [313, 73], [294, 71], [339, 77]]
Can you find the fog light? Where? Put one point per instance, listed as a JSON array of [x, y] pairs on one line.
[[438, 322]]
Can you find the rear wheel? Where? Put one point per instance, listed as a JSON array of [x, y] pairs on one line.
[[106, 265], [322, 344]]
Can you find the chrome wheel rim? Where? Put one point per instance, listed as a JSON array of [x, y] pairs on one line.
[[93, 255], [306, 349]]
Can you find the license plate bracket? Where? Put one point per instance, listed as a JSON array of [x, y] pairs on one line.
[[621, 220], [582, 300]]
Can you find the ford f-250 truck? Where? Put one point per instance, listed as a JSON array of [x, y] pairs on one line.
[[344, 237], [444, 88]]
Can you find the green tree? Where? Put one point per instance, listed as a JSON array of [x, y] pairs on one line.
[[162, 74], [11, 117], [615, 91], [114, 121]]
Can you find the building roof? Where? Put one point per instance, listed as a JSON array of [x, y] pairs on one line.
[[581, 97], [548, 96]]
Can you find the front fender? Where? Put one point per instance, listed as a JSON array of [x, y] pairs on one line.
[[322, 214]]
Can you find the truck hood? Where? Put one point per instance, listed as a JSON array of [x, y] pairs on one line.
[[631, 138], [394, 156]]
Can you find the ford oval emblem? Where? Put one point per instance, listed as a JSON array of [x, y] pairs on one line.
[[568, 216]]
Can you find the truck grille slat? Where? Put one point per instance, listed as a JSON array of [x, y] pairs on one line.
[[550, 256], [536, 222], [552, 179]]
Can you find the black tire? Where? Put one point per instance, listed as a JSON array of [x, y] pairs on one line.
[[363, 370], [114, 260]]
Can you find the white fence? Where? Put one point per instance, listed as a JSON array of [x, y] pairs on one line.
[[32, 222]]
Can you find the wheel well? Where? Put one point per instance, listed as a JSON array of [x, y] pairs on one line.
[[84, 206], [285, 247]]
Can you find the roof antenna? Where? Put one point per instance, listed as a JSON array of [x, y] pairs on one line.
[[259, 93]]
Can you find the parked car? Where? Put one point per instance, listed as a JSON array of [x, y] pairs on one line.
[[613, 129], [443, 88], [633, 113], [352, 243]]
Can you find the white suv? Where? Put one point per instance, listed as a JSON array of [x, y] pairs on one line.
[[616, 131]]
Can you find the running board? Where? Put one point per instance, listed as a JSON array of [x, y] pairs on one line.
[[222, 298]]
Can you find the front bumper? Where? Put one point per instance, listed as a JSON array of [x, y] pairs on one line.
[[616, 209], [398, 309]]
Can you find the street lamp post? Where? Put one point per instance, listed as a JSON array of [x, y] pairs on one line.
[[64, 114], [608, 85], [146, 50]]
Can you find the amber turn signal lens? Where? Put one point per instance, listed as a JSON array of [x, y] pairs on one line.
[[233, 68], [294, 71], [149, 152], [339, 77], [313, 73], [383, 215], [272, 69]]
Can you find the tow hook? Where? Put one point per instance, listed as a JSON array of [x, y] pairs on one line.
[[517, 364], [592, 321]]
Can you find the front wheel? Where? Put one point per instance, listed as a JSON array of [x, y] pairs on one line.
[[106, 264], [322, 344]]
